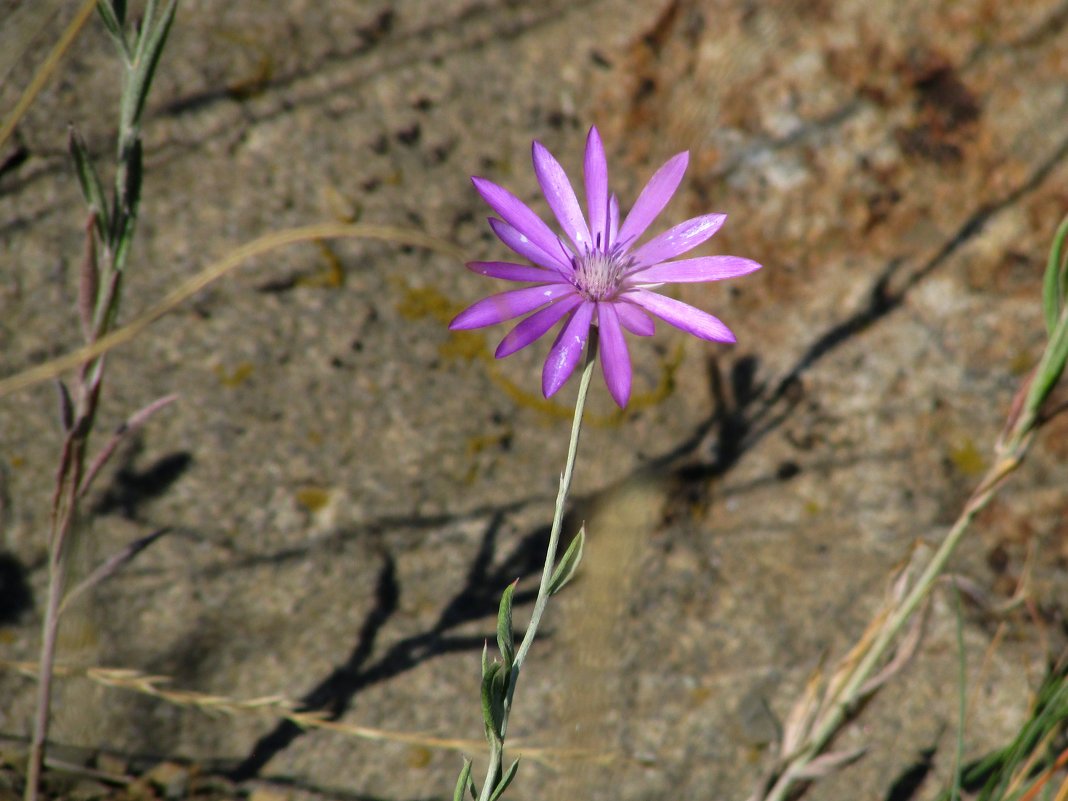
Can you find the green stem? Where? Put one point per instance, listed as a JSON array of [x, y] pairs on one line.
[[1012, 447], [493, 772], [558, 516], [849, 696]]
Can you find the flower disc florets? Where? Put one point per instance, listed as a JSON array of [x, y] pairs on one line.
[[603, 277], [599, 275]]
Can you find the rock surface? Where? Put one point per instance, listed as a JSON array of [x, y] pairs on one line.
[[349, 486]]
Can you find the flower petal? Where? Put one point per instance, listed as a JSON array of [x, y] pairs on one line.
[[517, 214], [653, 198], [534, 326], [506, 305], [527, 249], [566, 350], [561, 196], [613, 221], [595, 176], [688, 271], [615, 360], [676, 241], [681, 315], [514, 272], [635, 320]]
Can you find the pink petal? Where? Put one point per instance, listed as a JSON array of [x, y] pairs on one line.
[[615, 360], [613, 221], [566, 350], [527, 249], [653, 198], [513, 272], [595, 176], [517, 214], [506, 305], [676, 241], [681, 315], [561, 196], [707, 268], [536, 325], [635, 320]]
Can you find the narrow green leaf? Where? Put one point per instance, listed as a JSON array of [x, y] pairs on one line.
[[500, 788], [1058, 353], [505, 636], [92, 189], [463, 781], [113, 15], [1050, 366], [485, 659], [487, 713], [1055, 283], [149, 49], [130, 176], [500, 687], [999, 770], [144, 27], [493, 701], [567, 565], [128, 191]]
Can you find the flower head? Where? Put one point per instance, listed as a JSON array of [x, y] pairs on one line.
[[601, 276]]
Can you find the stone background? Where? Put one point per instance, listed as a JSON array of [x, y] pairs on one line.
[[349, 486]]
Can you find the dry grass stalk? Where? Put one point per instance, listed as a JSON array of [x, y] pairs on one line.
[[151, 685]]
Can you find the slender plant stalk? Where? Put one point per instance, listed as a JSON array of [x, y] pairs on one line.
[[56, 583], [69, 485], [110, 230], [558, 516], [1025, 416], [850, 693], [494, 769]]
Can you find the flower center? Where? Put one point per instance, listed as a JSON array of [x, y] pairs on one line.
[[598, 275]]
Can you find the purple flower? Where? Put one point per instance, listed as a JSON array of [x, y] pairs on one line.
[[602, 277]]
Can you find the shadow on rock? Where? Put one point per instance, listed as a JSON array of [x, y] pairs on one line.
[[478, 598], [131, 488], [15, 595]]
